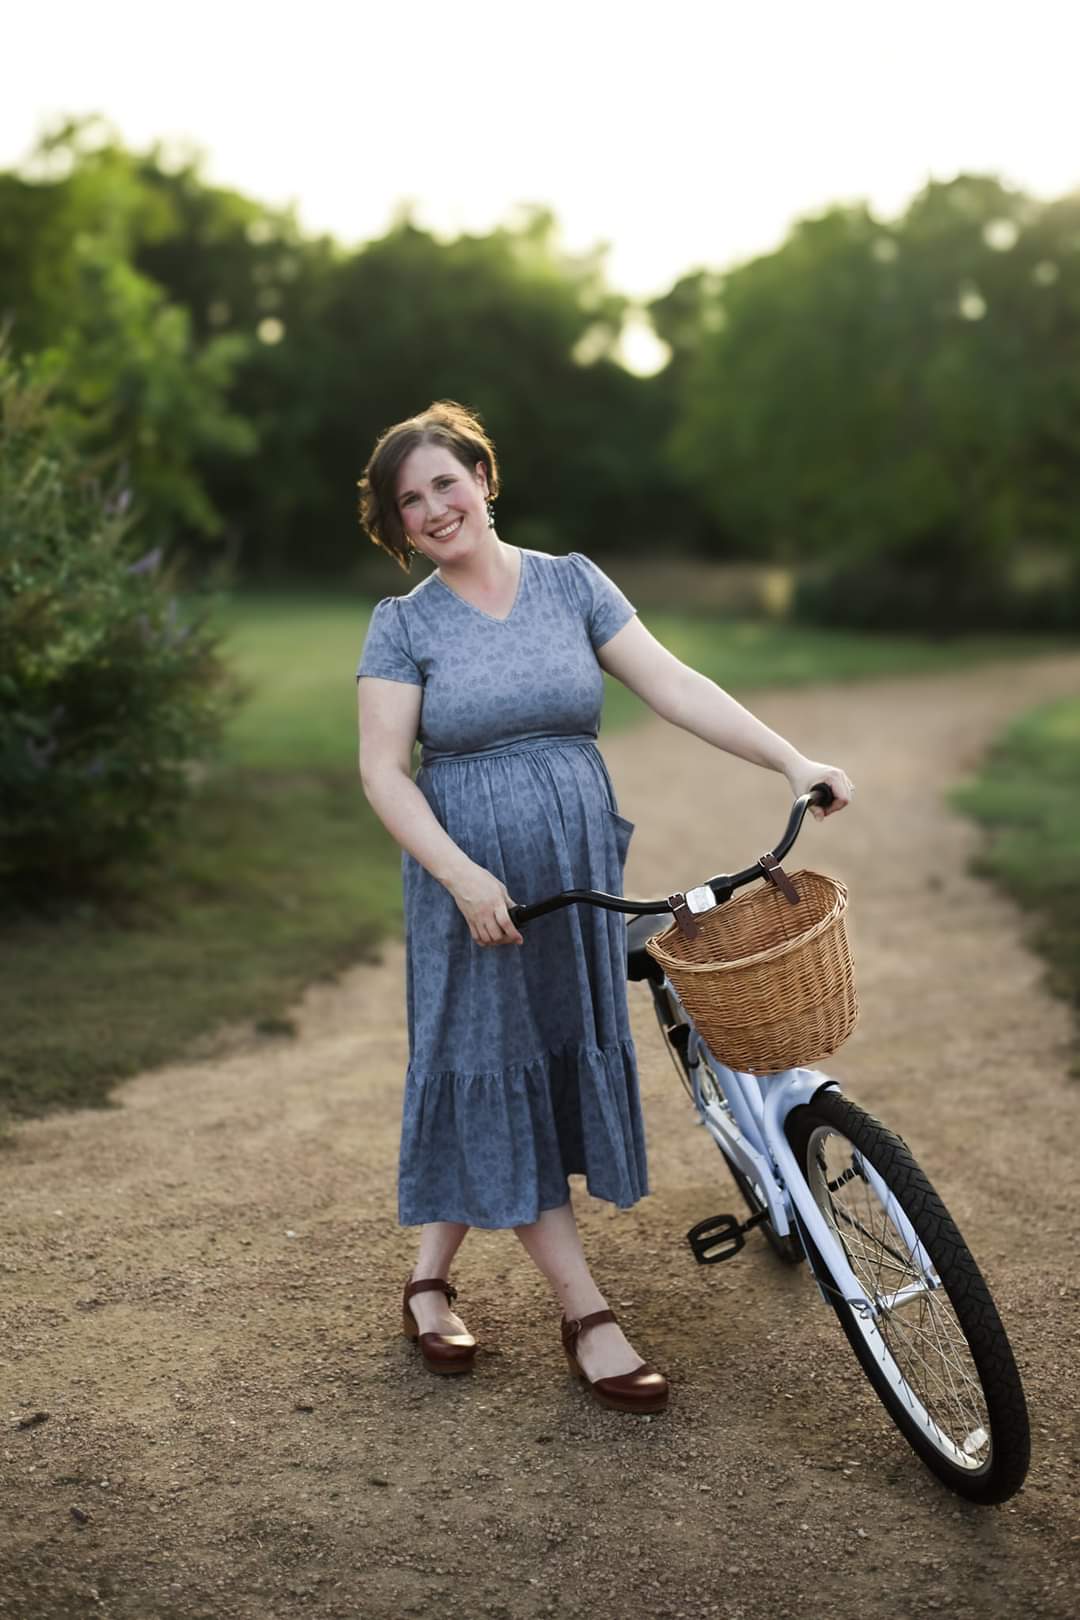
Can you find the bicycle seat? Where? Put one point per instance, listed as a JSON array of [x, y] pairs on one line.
[[639, 964]]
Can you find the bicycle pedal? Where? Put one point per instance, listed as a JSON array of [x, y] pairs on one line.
[[718, 1238]]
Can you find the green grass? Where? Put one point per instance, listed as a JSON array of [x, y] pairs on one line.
[[298, 660], [273, 881], [279, 873], [1027, 796]]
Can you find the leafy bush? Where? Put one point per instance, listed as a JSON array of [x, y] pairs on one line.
[[108, 691]]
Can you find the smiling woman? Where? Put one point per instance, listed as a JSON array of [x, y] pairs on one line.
[[522, 1070]]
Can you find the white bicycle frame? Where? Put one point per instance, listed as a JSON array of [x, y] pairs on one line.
[[747, 1125]]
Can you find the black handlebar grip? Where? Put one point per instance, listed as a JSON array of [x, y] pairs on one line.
[[822, 794]]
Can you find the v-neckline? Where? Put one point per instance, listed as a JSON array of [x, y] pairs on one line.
[[491, 616]]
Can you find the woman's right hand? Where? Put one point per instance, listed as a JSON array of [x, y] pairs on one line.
[[485, 904]]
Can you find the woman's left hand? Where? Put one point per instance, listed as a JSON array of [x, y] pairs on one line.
[[805, 774]]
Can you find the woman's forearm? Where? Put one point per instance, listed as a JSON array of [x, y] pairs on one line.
[[699, 706], [411, 822]]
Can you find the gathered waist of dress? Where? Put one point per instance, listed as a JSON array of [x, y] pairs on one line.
[[519, 745]]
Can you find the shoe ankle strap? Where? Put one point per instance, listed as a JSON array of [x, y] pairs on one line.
[[429, 1285], [574, 1327]]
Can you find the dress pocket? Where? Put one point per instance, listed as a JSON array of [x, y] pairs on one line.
[[624, 831]]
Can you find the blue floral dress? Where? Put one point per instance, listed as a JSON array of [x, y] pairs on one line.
[[522, 1069]]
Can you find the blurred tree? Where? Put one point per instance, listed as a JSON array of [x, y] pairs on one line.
[[128, 376], [896, 404], [507, 323], [684, 318], [1047, 366], [193, 324], [884, 399], [248, 275]]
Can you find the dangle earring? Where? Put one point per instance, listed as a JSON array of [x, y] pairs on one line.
[[490, 504]]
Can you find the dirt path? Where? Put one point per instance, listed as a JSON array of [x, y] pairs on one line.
[[200, 1285]]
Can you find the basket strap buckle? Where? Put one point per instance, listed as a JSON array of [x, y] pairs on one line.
[[679, 909], [778, 877]]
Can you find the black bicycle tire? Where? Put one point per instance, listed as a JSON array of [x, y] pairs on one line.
[[1010, 1444]]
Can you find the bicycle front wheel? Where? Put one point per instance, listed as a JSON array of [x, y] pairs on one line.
[[931, 1342]]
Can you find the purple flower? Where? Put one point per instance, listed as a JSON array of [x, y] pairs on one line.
[[118, 504], [148, 564]]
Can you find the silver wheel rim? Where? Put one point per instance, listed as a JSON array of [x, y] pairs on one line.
[[915, 1337]]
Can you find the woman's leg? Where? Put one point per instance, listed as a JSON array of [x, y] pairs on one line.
[[553, 1243], [439, 1242]]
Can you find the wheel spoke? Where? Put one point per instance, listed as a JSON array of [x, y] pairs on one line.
[[921, 1335]]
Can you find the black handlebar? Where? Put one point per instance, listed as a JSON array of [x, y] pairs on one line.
[[723, 887]]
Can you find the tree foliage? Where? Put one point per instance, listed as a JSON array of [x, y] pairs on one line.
[[130, 376], [891, 406], [304, 352], [107, 690], [898, 404]]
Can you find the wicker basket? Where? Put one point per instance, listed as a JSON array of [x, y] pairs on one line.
[[768, 984]]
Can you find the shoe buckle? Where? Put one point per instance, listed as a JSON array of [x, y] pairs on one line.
[[451, 1293]]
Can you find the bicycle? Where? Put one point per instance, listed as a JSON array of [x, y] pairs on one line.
[[829, 1184]]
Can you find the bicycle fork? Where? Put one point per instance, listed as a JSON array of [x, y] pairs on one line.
[[721, 1237]]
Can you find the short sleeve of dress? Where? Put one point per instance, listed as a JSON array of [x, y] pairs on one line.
[[386, 653], [605, 608]]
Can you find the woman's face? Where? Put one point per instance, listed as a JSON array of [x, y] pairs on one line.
[[441, 503]]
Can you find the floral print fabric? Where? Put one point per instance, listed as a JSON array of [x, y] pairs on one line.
[[522, 1069]]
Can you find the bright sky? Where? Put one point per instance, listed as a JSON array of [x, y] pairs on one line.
[[683, 133]]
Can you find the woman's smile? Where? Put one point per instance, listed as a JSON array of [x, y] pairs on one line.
[[447, 531]]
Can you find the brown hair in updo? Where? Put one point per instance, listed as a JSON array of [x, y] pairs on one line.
[[455, 427]]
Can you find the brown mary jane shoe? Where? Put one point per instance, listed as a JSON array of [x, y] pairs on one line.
[[442, 1352], [643, 1390]]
